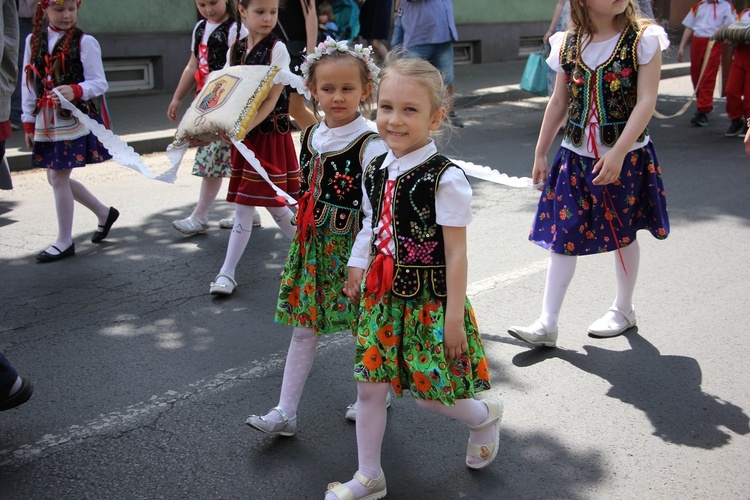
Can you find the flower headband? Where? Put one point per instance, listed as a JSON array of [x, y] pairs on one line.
[[47, 3], [329, 46]]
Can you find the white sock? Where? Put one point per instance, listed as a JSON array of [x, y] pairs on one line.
[[468, 411], [559, 275], [210, 187], [283, 218], [299, 360], [371, 420], [64, 205], [631, 255], [238, 238]]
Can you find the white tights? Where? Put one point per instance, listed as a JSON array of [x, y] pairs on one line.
[[210, 187], [67, 191], [243, 228], [371, 420], [560, 274]]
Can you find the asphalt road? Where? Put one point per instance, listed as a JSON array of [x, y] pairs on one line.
[[143, 381]]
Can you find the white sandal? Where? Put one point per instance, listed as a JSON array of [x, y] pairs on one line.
[[376, 487], [487, 452], [222, 288]]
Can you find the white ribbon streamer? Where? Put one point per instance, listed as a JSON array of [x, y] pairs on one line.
[[121, 152], [488, 174], [253, 161]]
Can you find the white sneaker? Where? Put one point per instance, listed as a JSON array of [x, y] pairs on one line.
[[228, 223], [351, 410], [605, 327], [190, 226], [534, 334]]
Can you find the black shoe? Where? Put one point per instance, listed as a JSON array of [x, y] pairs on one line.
[[45, 256], [734, 128], [743, 132], [19, 398], [455, 120], [700, 119], [99, 235]]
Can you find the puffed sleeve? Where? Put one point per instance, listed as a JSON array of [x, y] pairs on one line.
[[374, 148], [653, 38], [453, 199], [553, 60], [95, 82], [280, 56]]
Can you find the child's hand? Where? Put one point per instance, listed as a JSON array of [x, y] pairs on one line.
[[454, 339], [608, 167], [29, 138], [173, 108], [539, 172], [747, 143], [680, 53], [197, 142], [66, 91], [353, 286], [225, 138]]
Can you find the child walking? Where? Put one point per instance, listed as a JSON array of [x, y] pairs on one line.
[[269, 138], [341, 80], [738, 87], [60, 56], [605, 182], [416, 328], [210, 43]]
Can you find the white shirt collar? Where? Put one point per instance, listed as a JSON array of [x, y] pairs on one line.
[[411, 160], [353, 127]]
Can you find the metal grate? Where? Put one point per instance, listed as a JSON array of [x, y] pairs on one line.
[[528, 45], [124, 75], [463, 53]]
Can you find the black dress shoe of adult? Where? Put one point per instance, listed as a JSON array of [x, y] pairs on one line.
[[111, 218], [19, 398], [45, 256]]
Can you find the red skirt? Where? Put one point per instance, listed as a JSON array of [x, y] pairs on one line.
[[277, 155]]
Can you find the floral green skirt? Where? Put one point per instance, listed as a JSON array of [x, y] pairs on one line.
[[401, 341], [212, 160], [312, 288]]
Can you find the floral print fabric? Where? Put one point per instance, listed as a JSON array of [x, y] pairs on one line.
[[212, 160], [401, 341], [576, 217]]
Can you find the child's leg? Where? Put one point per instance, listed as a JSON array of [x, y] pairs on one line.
[[705, 94], [83, 196], [283, 218], [243, 228], [299, 360], [631, 255], [371, 420], [559, 275], [210, 187], [64, 205]]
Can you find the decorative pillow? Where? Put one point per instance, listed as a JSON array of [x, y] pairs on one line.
[[228, 103], [737, 32]]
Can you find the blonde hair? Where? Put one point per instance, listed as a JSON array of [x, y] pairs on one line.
[[364, 106], [422, 73]]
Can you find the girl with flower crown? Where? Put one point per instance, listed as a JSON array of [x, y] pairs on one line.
[[340, 79], [59, 56]]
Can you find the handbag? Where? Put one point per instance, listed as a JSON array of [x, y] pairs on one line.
[[534, 77]]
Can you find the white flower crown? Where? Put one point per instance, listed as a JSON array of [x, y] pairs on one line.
[[329, 46]]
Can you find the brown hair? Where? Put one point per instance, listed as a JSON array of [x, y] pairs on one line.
[[40, 24], [311, 80], [234, 57], [326, 9]]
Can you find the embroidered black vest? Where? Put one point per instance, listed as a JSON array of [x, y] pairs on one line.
[[217, 43], [420, 251], [70, 67], [335, 180], [278, 120], [612, 86]]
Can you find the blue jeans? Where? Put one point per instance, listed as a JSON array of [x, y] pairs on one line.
[[397, 37], [439, 55]]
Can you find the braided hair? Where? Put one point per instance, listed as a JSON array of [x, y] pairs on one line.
[[40, 26]]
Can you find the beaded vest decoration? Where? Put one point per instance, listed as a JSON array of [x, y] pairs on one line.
[[71, 67], [612, 86], [217, 44], [420, 251], [338, 199], [278, 120]]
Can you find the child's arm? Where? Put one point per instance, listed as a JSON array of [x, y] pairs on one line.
[[311, 24], [553, 23], [747, 143], [267, 106], [610, 165], [686, 36], [187, 80], [554, 116], [456, 265]]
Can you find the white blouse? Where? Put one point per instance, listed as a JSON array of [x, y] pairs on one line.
[[597, 53], [452, 200], [326, 140], [94, 84]]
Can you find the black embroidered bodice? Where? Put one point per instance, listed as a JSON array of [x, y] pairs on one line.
[[217, 44], [70, 68], [335, 181], [261, 54], [612, 87], [420, 250]]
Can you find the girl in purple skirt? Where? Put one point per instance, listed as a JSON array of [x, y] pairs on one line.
[[605, 182], [60, 56]]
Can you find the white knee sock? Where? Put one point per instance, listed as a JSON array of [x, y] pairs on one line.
[[371, 420], [631, 254], [64, 205], [210, 187], [240, 235], [299, 360], [559, 275], [83, 196], [283, 218]]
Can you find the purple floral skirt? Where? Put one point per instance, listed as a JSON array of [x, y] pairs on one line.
[[70, 153], [575, 217]]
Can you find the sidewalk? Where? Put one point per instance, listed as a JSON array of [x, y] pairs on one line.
[[141, 120]]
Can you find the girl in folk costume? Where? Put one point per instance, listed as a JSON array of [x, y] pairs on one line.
[[605, 182], [210, 43], [738, 86], [416, 328], [269, 138], [60, 56], [341, 80]]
